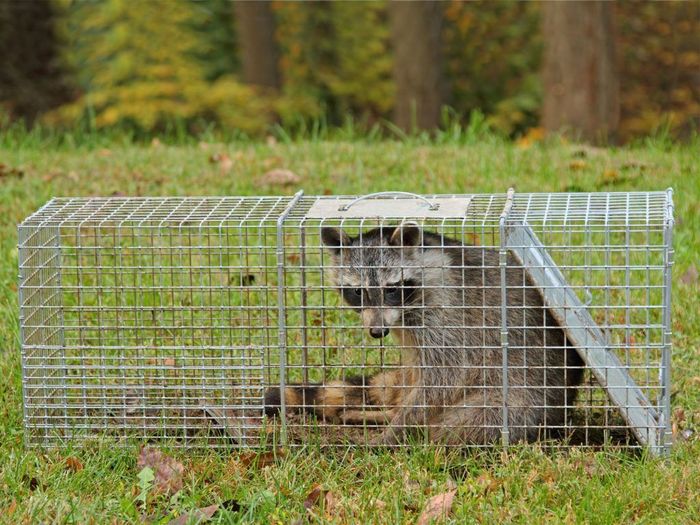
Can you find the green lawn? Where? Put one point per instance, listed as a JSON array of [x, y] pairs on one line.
[[526, 485]]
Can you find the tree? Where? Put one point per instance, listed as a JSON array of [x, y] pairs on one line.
[[580, 82], [31, 78], [259, 54], [141, 65], [416, 38]]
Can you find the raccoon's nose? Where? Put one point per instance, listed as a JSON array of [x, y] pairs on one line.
[[379, 331]]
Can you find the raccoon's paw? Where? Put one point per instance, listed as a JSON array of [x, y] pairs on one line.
[[359, 417]]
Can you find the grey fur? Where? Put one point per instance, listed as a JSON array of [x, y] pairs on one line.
[[453, 320]]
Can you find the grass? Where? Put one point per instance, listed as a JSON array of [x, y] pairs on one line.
[[521, 485]]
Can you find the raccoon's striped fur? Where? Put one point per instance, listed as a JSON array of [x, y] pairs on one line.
[[441, 300]]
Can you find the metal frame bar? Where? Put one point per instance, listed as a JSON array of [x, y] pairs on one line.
[[282, 312], [503, 262]]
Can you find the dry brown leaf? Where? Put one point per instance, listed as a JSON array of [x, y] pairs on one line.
[[379, 504], [169, 361], [74, 464], [279, 177], [437, 508], [690, 276], [330, 503], [679, 415], [313, 497], [104, 152], [577, 165], [9, 511], [195, 516], [262, 460], [168, 472], [9, 171], [487, 482], [611, 175], [223, 160]]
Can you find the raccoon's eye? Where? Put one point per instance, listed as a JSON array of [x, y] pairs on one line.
[[392, 292], [357, 292]]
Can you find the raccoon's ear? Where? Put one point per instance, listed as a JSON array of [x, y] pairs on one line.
[[334, 238], [407, 234]]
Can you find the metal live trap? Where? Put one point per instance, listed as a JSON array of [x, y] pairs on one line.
[[389, 319]]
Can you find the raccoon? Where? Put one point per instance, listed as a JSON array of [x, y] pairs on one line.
[[441, 302]]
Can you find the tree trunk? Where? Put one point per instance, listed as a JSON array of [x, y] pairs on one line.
[[416, 39], [31, 78], [256, 32], [581, 89]]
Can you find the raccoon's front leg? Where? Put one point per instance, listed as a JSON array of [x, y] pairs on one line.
[[407, 416]]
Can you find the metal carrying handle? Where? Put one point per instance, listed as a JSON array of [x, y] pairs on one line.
[[432, 206]]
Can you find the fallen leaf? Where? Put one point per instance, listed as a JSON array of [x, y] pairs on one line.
[[313, 497], [9, 511], [34, 484], [104, 152], [437, 507], [294, 258], [168, 472], [195, 516], [379, 504], [487, 482], [74, 464], [577, 165], [169, 361], [611, 175], [327, 191], [262, 460], [223, 160], [679, 415], [317, 495], [51, 176], [330, 503], [279, 177], [690, 276], [9, 171]]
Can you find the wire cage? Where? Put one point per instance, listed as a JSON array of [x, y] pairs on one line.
[[393, 318]]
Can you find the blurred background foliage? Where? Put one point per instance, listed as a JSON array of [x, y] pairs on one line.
[[150, 65]]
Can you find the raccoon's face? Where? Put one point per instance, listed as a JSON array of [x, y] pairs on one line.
[[380, 273]]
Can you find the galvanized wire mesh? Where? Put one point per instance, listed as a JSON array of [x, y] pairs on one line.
[[222, 322]]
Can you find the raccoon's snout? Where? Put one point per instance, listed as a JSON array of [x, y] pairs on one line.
[[379, 331]]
